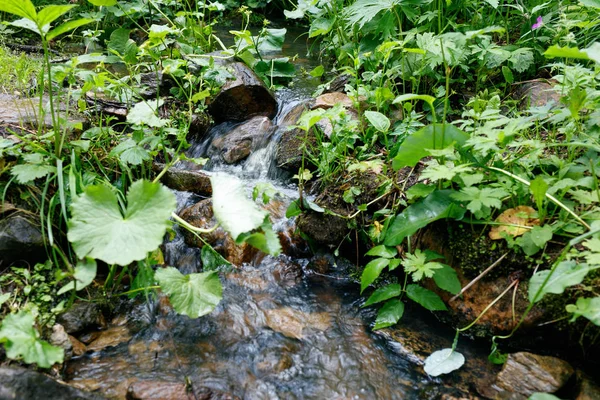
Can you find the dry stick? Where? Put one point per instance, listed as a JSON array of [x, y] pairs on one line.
[[484, 273]]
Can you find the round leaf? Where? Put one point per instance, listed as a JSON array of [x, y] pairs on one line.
[[443, 362], [99, 230]]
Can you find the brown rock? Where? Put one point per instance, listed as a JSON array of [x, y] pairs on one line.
[[79, 348], [328, 100], [586, 388], [242, 140], [82, 316], [112, 336], [242, 98], [528, 373], [158, 390], [537, 94], [60, 338], [294, 323], [187, 181], [323, 228]]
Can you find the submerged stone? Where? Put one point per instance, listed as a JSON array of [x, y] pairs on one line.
[[242, 140]]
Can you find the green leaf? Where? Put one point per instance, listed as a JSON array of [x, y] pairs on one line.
[[481, 201], [123, 46], [586, 307], [508, 75], [21, 8], [425, 297], [436, 206], [543, 396], [27, 24], [21, 340], [266, 241], [567, 52], [540, 235], [538, 188], [378, 120], [293, 209], [317, 72], [211, 260], [419, 190], [50, 13], [417, 265], [446, 279], [443, 362], [99, 229], [144, 113], [67, 26], [416, 146], [276, 68], [272, 40], [25, 173], [193, 295], [382, 251], [320, 26], [389, 314], [363, 11], [105, 3], [232, 208], [411, 96], [566, 273], [85, 273], [383, 294], [143, 279], [590, 3], [372, 271], [493, 3]]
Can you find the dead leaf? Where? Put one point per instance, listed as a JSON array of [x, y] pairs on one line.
[[516, 220]]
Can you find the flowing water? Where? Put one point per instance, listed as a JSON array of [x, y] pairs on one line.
[[282, 331]]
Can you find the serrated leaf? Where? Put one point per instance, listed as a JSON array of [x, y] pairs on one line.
[[144, 113], [25, 173], [417, 265], [21, 341], [383, 294], [425, 297], [436, 206], [99, 229], [378, 120], [85, 273], [193, 295], [389, 314], [567, 273], [446, 279], [372, 271], [586, 307], [443, 362]]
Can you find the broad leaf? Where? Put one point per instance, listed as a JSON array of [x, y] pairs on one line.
[[21, 341], [100, 3], [50, 13], [85, 272], [446, 279], [211, 260], [67, 27], [425, 297], [382, 251], [266, 241], [416, 146], [99, 229], [232, 208], [586, 307], [567, 52], [21, 8], [443, 362], [378, 120], [543, 396], [436, 206], [272, 40], [193, 295], [383, 294], [372, 271], [320, 26], [144, 113], [25, 173], [389, 314], [123, 46], [566, 273]]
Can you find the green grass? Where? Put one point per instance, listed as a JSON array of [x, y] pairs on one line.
[[17, 71]]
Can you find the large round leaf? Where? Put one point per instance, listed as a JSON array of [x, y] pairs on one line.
[[443, 362], [193, 295], [99, 229]]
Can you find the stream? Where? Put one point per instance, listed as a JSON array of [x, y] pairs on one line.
[[283, 329]]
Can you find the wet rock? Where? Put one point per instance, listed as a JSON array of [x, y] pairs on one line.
[[155, 84], [537, 94], [274, 362], [79, 348], [20, 383], [187, 181], [328, 100], [323, 228], [20, 239], [242, 140], [287, 273], [199, 125], [292, 147], [89, 337], [528, 373], [586, 388], [296, 324], [242, 98], [155, 390], [60, 338], [338, 84], [201, 215], [82, 316], [112, 336]]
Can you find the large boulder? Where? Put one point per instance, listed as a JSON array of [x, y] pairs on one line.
[[243, 97], [527, 373], [294, 142], [242, 140], [186, 181], [20, 239], [20, 383]]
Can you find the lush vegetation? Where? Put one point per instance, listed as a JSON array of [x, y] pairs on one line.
[[433, 85]]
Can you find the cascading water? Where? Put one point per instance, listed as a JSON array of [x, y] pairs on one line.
[[282, 330]]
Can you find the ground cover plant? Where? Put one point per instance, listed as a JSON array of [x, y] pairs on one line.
[[435, 88]]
